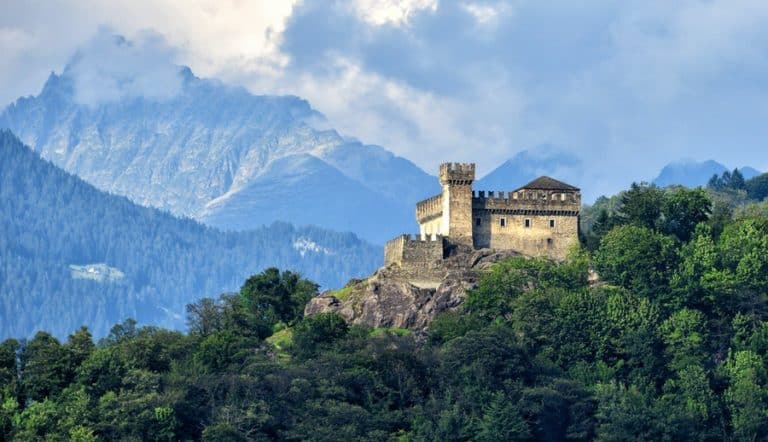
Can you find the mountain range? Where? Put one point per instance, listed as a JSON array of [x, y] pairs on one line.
[[691, 173], [73, 255], [222, 155]]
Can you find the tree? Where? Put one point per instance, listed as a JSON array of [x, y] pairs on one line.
[[204, 317], [45, 367], [684, 334], [641, 205], [757, 187], [683, 209], [9, 350], [80, 346], [638, 259], [627, 413], [747, 395], [503, 420], [318, 331], [690, 405], [273, 296]]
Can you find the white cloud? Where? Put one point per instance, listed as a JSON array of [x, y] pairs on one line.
[[394, 12], [110, 68], [488, 14], [211, 35]]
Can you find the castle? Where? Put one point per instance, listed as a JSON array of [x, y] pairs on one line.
[[538, 219]]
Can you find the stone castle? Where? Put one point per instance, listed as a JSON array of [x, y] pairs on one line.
[[538, 219]]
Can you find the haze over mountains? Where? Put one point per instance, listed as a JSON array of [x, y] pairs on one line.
[[72, 255]]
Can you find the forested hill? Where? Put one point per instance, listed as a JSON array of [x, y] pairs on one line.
[[72, 255]]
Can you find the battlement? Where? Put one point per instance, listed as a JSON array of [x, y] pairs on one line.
[[457, 173], [414, 251], [527, 201], [429, 208]]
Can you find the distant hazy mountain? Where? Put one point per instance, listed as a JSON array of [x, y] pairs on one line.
[[695, 173], [529, 164], [71, 254], [749, 172], [221, 155]]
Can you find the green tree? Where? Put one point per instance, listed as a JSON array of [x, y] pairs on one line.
[[80, 346], [641, 205], [273, 296], [318, 331], [684, 334], [682, 210], [45, 367], [503, 419], [757, 187], [627, 414], [638, 259], [9, 350], [747, 395]]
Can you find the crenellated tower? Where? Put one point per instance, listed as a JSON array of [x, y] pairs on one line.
[[456, 180]]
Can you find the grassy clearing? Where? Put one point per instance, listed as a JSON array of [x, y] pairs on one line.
[[385, 330], [280, 341], [342, 294]]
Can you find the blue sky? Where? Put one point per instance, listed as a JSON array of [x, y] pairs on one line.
[[626, 86]]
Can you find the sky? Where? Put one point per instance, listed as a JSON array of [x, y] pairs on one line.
[[624, 86]]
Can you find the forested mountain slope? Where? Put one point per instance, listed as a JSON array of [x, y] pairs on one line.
[[71, 254]]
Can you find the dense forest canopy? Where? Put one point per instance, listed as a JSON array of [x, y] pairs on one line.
[[670, 344], [73, 255]]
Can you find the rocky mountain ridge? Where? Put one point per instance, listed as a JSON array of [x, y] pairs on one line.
[[222, 155]]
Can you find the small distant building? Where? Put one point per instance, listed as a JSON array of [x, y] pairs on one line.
[[539, 219]]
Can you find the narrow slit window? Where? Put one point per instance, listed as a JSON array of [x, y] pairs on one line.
[[527, 223], [549, 243], [503, 222], [478, 221], [551, 224]]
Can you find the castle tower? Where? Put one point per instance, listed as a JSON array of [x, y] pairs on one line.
[[456, 180]]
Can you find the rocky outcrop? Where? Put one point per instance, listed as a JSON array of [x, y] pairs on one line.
[[388, 298]]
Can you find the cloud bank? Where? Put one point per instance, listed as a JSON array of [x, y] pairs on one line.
[[625, 86], [110, 68]]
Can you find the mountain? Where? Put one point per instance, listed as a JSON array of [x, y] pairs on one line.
[[749, 172], [71, 254], [695, 173], [219, 154], [530, 164]]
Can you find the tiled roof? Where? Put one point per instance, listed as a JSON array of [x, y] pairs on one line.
[[547, 183]]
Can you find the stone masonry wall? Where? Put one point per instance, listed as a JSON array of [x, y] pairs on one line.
[[417, 258], [535, 222], [456, 179]]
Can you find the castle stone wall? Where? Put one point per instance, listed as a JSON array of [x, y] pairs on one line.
[[535, 222], [538, 239], [417, 258], [429, 209]]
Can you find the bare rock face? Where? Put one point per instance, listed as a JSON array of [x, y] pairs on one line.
[[389, 299]]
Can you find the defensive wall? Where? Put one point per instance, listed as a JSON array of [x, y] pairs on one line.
[[533, 222], [417, 257]]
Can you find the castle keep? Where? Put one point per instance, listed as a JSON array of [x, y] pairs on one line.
[[538, 219]]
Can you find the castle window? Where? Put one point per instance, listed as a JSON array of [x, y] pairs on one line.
[[527, 222], [503, 222], [562, 197], [549, 243], [478, 221], [551, 224]]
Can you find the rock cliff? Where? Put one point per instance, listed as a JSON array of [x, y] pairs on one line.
[[390, 299]]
